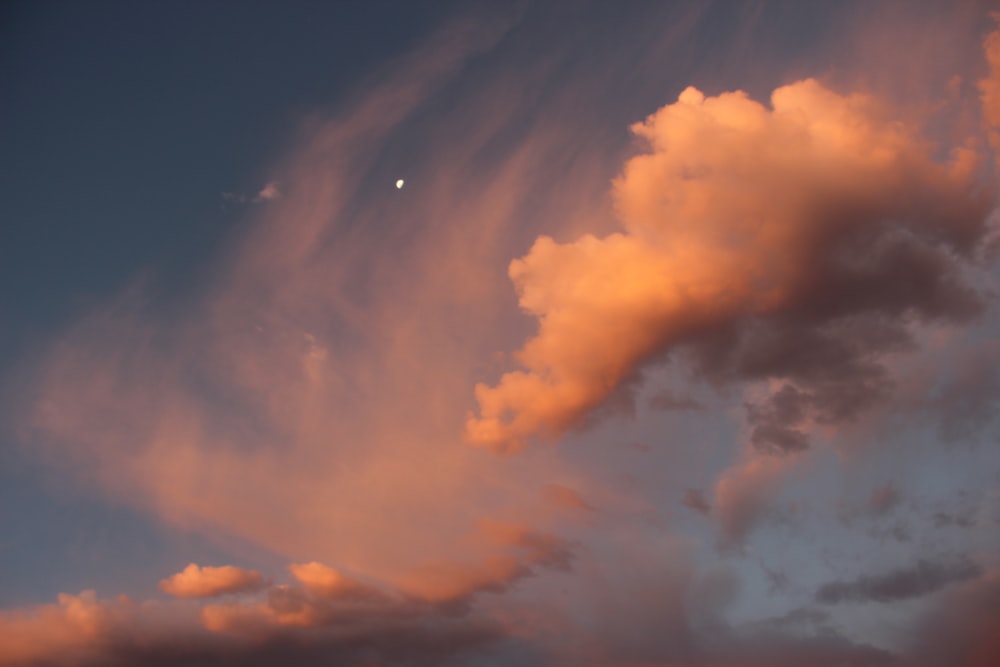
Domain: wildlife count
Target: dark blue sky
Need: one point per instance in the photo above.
(121, 125)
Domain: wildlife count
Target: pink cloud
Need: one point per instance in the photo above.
(267, 193)
(206, 582)
(785, 241)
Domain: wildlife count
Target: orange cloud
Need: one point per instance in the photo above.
(745, 228)
(206, 582)
(745, 491)
(67, 628)
(325, 581)
(989, 86)
(309, 399)
(291, 625)
(565, 498)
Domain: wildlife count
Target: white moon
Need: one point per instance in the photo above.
(399, 184)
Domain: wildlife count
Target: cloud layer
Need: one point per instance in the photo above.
(787, 268)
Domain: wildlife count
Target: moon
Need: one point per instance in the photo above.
(399, 184)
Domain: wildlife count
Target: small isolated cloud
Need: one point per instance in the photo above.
(267, 193)
(205, 582)
(901, 584)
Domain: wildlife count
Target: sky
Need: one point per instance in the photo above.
(678, 346)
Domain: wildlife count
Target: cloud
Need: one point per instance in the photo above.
(73, 626)
(206, 582)
(310, 400)
(775, 422)
(883, 499)
(989, 86)
(291, 400)
(325, 581)
(293, 625)
(565, 498)
(796, 241)
(962, 629)
(513, 552)
(668, 400)
(267, 193)
(696, 500)
(744, 493)
(920, 579)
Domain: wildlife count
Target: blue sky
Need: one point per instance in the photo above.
(677, 347)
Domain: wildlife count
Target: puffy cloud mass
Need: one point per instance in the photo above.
(205, 582)
(302, 625)
(792, 241)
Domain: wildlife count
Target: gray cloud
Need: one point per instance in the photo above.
(696, 500)
(904, 583)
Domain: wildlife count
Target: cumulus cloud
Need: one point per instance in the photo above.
(920, 579)
(323, 616)
(793, 241)
(206, 582)
(311, 402)
(291, 625)
(72, 627)
(325, 581)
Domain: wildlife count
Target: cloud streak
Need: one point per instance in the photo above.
(920, 579)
